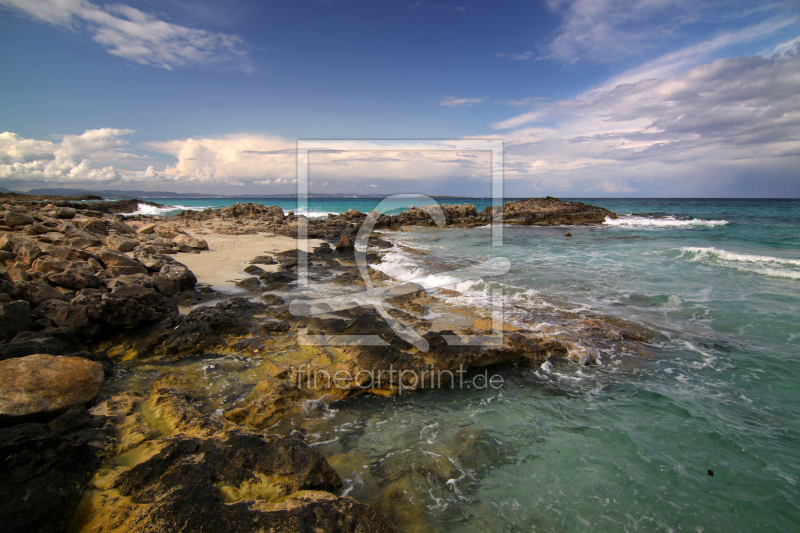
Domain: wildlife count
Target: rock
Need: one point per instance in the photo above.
(40, 386)
(46, 468)
(27, 251)
(254, 270)
(110, 258)
(272, 299)
(14, 318)
(121, 244)
(119, 227)
(73, 278)
(29, 343)
(119, 264)
(191, 242)
(48, 264)
(250, 284)
(36, 292)
(63, 314)
(345, 245)
(128, 305)
(12, 219)
(568, 234)
(147, 229)
(131, 279)
(263, 260)
(150, 257)
(64, 212)
(179, 274)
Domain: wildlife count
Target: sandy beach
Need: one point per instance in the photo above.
(221, 266)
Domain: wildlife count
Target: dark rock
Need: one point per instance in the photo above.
(250, 284)
(263, 260)
(72, 278)
(253, 270)
(128, 305)
(46, 468)
(33, 343)
(14, 318)
(36, 292)
(272, 299)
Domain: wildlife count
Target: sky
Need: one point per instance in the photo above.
(591, 98)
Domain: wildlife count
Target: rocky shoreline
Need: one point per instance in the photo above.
(87, 293)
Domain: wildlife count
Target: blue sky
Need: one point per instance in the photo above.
(591, 97)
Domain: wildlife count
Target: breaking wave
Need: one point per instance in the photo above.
(661, 222)
(778, 267)
(152, 210)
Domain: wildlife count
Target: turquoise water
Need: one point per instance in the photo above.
(626, 446)
(319, 207)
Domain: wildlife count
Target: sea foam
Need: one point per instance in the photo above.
(778, 267)
(152, 210)
(661, 222)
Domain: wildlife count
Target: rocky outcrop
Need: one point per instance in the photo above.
(41, 386)
(176, 469)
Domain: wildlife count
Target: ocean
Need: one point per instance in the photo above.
(630, 445)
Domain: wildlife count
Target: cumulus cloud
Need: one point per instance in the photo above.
(132, 34)
(453, 102)
(74, 159)
(723, 118)
(240, 157)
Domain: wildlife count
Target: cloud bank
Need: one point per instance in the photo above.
(697, 131)
(137, 36)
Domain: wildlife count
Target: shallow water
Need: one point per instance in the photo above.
(619, 447)
(615, 448)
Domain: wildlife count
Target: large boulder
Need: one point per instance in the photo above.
(41, 386)
(191, 242)
(173, 278)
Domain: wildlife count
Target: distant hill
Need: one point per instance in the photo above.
(3, 189)
(119, 194)
(115, 193)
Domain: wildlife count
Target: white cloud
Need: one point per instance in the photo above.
(453, 102)
(607, 30)
(524, 56)
(698, 128)
(233, 157)
(74, 159)
(132, 34)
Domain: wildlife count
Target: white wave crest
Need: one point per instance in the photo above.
(152, 210)
(400, 267)
(661, 222)
(311, 214)
(778, 267)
